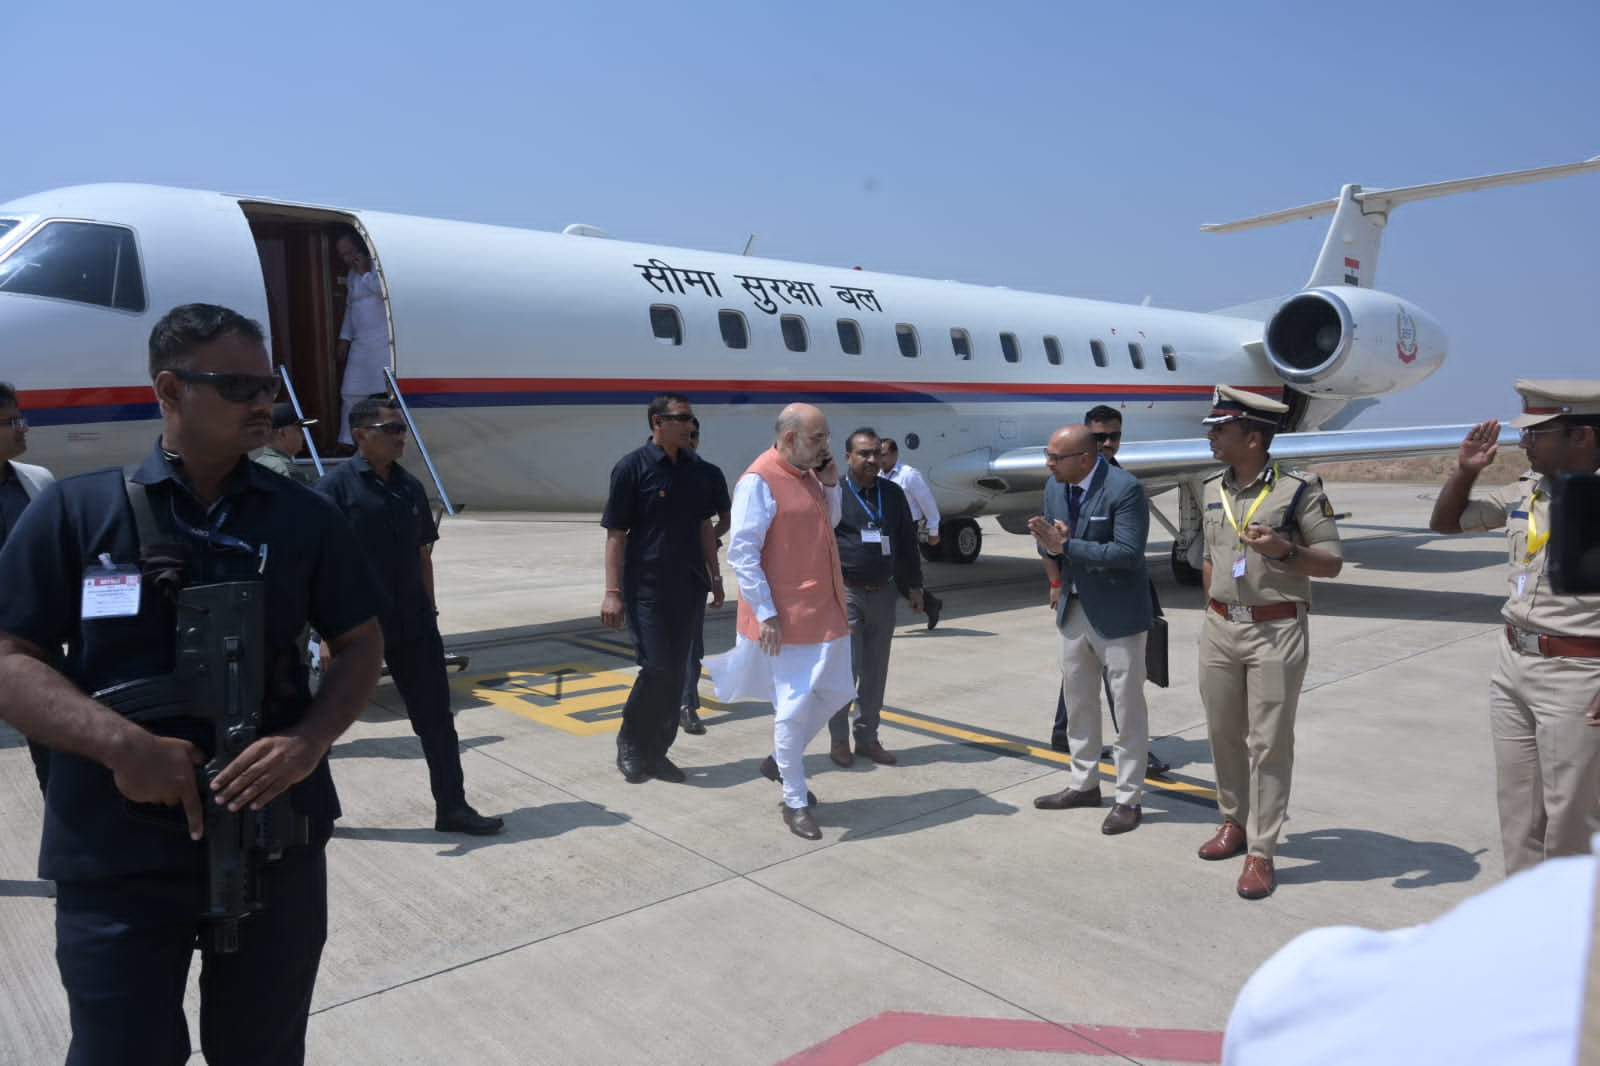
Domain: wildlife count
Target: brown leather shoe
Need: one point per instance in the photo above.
(839, 752)
(1228, 842)
(1124, 818)
(876, 752)
(1069, 797)
(1258, 880)
(800, 822)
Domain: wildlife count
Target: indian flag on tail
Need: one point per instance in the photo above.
(1352, 271)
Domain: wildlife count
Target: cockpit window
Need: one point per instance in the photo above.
(7, 224)
(86, 262)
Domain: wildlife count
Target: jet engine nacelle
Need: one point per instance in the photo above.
(1351, 343)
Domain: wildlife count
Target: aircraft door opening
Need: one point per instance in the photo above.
(306, 284)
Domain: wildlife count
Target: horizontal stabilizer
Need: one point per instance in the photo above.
(1379, 201)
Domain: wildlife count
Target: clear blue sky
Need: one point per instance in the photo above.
(1062, 147)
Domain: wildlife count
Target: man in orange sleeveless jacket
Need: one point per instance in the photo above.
(793, 646)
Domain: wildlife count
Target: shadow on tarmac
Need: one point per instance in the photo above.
(1366, 855)
(1342, 599)
(522, 824)
(18, 889)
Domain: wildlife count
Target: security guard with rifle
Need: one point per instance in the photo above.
(189, 797)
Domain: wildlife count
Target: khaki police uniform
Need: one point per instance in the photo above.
(1547, 759)
(1254, 641)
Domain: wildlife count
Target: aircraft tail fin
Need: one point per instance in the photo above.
(1350, 250)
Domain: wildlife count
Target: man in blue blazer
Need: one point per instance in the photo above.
(1093, 528)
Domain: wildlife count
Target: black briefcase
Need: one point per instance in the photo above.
(1155, 645)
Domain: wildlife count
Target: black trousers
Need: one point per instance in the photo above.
(416, 663)
(41, 763)
(697, 654)
(662, 637)
(123, 946)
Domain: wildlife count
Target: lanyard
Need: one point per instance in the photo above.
(212, 534)
(1227, 509)
(1536, 540)
(874, 519)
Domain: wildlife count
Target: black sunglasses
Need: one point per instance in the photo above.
(1103, 437)
(679, 417)
(394, 428)
(235, 388)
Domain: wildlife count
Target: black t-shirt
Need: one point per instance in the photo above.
(660, 505)
(262, 528)
(392, 521)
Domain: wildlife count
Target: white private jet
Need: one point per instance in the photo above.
(526, 359)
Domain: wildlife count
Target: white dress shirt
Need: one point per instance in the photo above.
(915, 486)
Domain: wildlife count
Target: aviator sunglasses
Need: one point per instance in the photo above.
(235, 388)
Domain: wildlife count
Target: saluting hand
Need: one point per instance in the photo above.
(265, 770)
(161, 770)
(1480, 446)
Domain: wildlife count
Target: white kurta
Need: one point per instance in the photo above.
(805, 683)
(366, 327)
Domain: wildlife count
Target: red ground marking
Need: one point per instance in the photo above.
(875, 1036)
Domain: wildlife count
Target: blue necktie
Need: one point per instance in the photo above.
(1074, 501)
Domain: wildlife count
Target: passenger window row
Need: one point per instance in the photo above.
(666, 325)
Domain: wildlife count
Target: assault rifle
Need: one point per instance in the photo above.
(219, 681)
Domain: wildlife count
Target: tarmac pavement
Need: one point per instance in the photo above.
(941, 919)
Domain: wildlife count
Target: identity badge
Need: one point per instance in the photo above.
(110, 590)
(1238, 567)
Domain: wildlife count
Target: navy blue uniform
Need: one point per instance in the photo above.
(13, 501)
(130, 890)
(660, 504)
(716, 485)
(393, 522)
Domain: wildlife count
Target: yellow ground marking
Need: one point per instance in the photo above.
(1033, 751)
(584, 699)
(577, 697)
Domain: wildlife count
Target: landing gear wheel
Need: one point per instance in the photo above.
(1181, 570)
(961, 540)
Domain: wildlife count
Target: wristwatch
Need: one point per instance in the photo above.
(1288, 556)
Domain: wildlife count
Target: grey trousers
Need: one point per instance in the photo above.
(871, 615)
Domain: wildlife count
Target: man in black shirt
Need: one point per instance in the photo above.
(389, 512)
(722, 507)
(131, 889)
(661, 557)
(877, 539)
(19, 484)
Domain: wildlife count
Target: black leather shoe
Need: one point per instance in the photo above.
(689, 718)
(1060, 744)
(800, 822)
(667, 770)
(632, 767)
(1156, 766)
(769, 770)
(466, 820)
(934, 606)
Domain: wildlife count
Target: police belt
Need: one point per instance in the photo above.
(1550, 646)
(863, 586)
(1243, 612)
